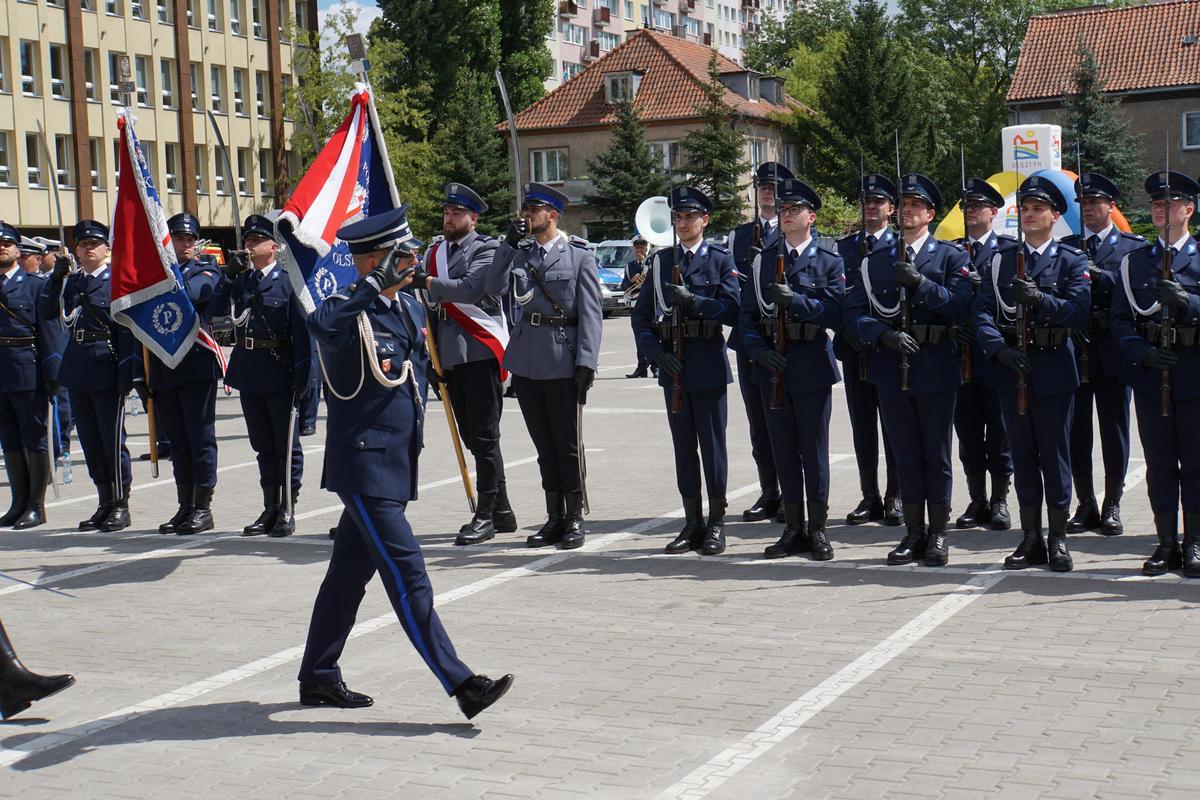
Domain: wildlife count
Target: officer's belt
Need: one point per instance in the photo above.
(16, 341)
(490, 308)
(796, 331)
(692, 329)
(252, 343)
(929, 334)
(1181, 335)
(1040, 337)
(81, 336)
(538, 319)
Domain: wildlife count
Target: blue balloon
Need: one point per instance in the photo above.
(1066, 185)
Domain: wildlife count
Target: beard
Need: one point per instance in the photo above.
(452, 231)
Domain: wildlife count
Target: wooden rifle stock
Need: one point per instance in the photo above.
(1022, 331)
(778, 390)
(964, 357)
(1168, 327)
(677, 340)
(863, 252)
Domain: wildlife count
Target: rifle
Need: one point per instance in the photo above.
(778, 390)
(677, 315)
(964, 358)
(1084, 357)
(905, 304)
(1168, 328)
(863, 248)
(1022, 317)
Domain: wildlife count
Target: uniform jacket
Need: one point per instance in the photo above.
(980, 254)
(741, 244)
(1061, 274)
(1145, 272)
(632, 270)
(274, 312)
(819, 282)
(547, 352)
(1103, 353)
(375, 436)
(850, 249)
(91, 366)
(943, 298)
(711, 278)
(25, 367)
(464, 280)
(202, 281)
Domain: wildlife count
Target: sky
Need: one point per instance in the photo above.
(368, 12)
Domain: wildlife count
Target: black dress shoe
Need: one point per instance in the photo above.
(893, 512)
(332, 694)
(1087, 516)
(308, 430)
(637, 373)
(479, 691)
(1110, 519)
(869, 510)
(765, 507)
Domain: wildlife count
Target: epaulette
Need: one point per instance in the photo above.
(482, 237)
(1070, 249)
(1132, 236)
(718, 246)
(829, 251)
(578, 241)
(1004, 237)
(951, 243)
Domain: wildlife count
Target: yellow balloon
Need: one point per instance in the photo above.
(952, 226)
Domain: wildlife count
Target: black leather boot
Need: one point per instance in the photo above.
(118, 512)
(937, 550)
(1168, 555)
(200, 519)
(1056, 541)
(1087, 515)
(1031, 552)
(1110, 512)
(1001, 520)
(16, 464)
(818, 543)
(893, 511)
(794, 539)
(979, 511)
(1191, 544)
(573, 532)
(714, 532)
(504, 519)
(285, 520)
(272, 498)
(692, 535)
(869, 509)
(767, 504)
(18, 686)
(184, 494)
(551, 532)
(480, 528)
(39, 479)
(913, 545)
(105, 493)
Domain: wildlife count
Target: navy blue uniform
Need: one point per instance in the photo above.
(374, 436)
(632, 270)
(31, 346)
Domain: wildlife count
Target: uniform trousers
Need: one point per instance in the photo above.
(1111, 399)
(799, 436)
(23, 420)
(921, 427)
(756, 416)
(701, 424)
(862, 401)
(267, 417)
(96, 421)
(373, 535)
(477, 398)
(1172, 449)
(1041, 449)
(311, 402)
(549, 409)
(982, 440)
(188, 416)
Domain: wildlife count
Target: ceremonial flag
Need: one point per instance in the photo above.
(350, 178)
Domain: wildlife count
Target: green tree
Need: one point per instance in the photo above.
(627, 172)
(770, 49)
(525, 61)
(1094, 125)
(714, 154)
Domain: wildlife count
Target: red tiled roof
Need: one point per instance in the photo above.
(1137, 48)
(675, 71)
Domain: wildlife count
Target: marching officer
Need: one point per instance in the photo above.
(374, 436)
(1036, 378)
(1100, 381)
(553, 351)
(634, 269)
(745, 242)
(932, 277)
(471, 333)
(983, 445)
(185, 398)
(877, 196)
(98, 369)
(31, 346)
(1164, 371)
(270, 367)
(806, 302)
(706, 299)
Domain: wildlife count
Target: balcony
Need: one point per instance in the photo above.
(567, 8)
(708, 39)
(601, 16)
(751, 5)
(591, 51)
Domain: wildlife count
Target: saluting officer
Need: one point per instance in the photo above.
(471, 334)
(185, 398)
(270, 367)
(1168, 418)
(1054, 298)
(745, 242)
(374, 436)
(1105, 247)
(31, 346)
(98, 369)
(634, 269)
(877, 196)
(982, 441)
(810, 300)
(706, 300)
(553, 350)
(919, 417)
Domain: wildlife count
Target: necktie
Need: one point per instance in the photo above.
(794, 253)
(453, 250)
(255, 279)
(912, 255)
(872, 241)
(687, 259)
(766, 230)
(536, 257)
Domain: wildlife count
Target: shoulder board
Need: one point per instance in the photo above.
(954, 245)
(1064, 247)
(578, 241)
(829, 251)
(482, 237)
(718, 247)
(1006, 243)
(1133, 237)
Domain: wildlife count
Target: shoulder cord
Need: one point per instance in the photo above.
(1144, 312)
(367, 336)
(883, 310)
(764, 309)
(524, 299)
(1008, 312)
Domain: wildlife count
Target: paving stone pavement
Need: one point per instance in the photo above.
(637, 675)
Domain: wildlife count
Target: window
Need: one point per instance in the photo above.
(789, 158)
(63, 158)
(243, 170)
(135, 8)
(163, 9)
(548, 166)
(607, 40)
(664, 19)
(114, 78)
(216, 80)
(116, 161)
(573, 34)
(256, 17)
(260, 94)
(89, 74)
(1191, 130)
(214, 15)
(171, 162)
(96, 154)
(33, 160)
(30, 79)
(264, 172)
(666, 153)
(693, 26)
(220, 177)
(113, 7)
(629, 8)
(620, 86)
(301, 15)
(54, 3)
(142, 80)
(191, 13)
(281, 17)
(239, 91)
(201, 169)
(752, 91)
(286, 86)
(235, 17)
(59, 80)
(758, 153)
(4, 64)
(166, 82)
(196, 91)
(88, 5)
(5, 174)
(570, 70)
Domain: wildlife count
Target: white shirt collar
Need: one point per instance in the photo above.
(919, 243)
(770, 223)
(692, 250)
(987, 237)
(1042, 249)
(13, 271)
(265, 271)
(1088, 233)
(878, 234)
(99, 273)
(1178, 243)
(800, 248)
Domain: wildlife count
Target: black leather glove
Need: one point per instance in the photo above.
(50, 387)
(420, 277)
(138, 385)
(583, 381)
(679, 296)
(781, 295)
(235, 264)
(1158, 358)
(1171, 294)
(851, 338)
(1026, 293)
(433, 378)
(1095, 271)
(1014, 359)
(396, 267)
(299, 390)
(62, 268)
(907, 275)
(668, 363)
(899, 341)
(518, 229)
(963, 335)
(772, 360)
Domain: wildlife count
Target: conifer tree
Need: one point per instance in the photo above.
(627, 172)
(1092, 121)
(714, 155)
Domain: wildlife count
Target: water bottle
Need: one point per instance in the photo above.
(66, 465)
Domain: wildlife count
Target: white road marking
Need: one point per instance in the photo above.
(1135, 476)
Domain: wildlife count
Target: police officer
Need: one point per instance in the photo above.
(877, 196)
(1143, 305)
(932, 277)
(31, 252)
(185, 398)
(695, 309)
(1036, 379)
(471, 334)
(635, 268)
(982, 441)
(51, 248)
(374, 437)
(270, 367)
(31, 346)
(98, 369)
(745, 242)
(809, 298)
(1105, 247)
(553, 351)
(18, 686)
